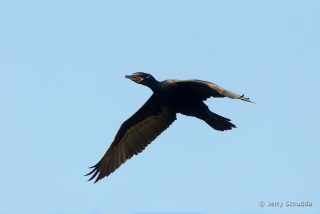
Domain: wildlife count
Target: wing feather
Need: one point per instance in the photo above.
(134, 135)
(206, 89)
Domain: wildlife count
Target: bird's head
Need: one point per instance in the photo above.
(141, 78)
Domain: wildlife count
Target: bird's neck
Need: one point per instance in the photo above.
(155, 87)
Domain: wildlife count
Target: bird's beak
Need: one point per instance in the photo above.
(134, 79)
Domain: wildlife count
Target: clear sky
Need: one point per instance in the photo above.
(63, 96)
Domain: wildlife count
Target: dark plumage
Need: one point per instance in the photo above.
(158, 113)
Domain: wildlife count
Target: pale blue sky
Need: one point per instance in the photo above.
(63, 96)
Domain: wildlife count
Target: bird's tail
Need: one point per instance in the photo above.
(218, 122)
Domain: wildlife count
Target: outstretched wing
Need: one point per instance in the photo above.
(134, 135)
(206, 89)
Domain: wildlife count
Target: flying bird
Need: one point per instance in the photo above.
(158, 113)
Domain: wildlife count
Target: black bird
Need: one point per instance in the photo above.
(158, 113)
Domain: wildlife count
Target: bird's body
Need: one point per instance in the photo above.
(184, 102)
(157, 114)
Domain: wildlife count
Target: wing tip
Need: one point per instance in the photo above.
(95, 172)
(246, 99)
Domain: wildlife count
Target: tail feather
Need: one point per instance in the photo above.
(218, 122)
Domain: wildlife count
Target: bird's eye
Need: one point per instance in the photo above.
(147, 76)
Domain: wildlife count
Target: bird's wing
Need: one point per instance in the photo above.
(134, 135)
(206, 89)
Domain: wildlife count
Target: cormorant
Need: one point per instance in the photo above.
(158, 113)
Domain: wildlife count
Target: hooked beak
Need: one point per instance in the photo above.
(134, 79)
